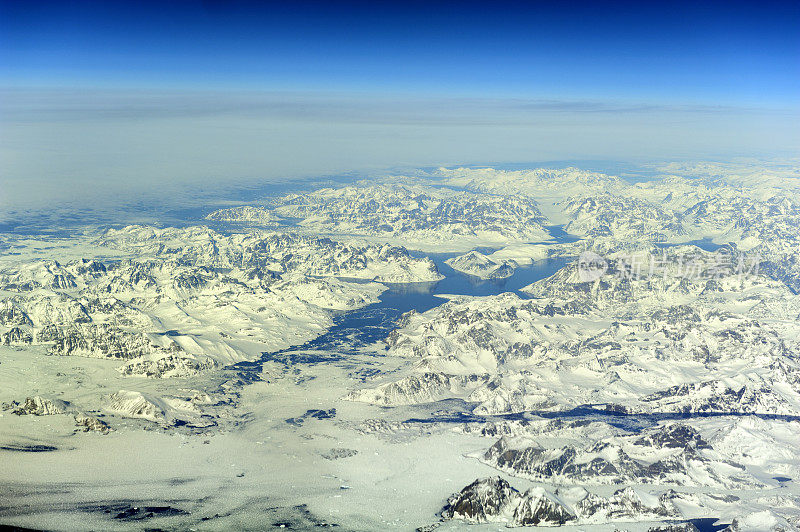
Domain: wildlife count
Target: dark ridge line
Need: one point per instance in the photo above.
(592, 411)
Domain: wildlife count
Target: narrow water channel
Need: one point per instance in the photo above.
(354, 330)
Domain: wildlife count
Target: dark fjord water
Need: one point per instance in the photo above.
(357, 329)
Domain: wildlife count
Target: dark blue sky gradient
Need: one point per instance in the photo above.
(721, 53)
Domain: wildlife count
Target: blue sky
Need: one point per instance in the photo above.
(94, 95)
(725, 52)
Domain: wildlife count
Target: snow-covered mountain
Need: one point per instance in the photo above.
(186, 300)
(420, 216)
(675, 340)
(479, 265)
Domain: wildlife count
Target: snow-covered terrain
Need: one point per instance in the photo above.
(181, 301)
(291, 364)
(418, 216)
(479, 265)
